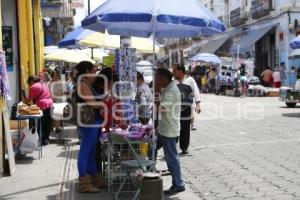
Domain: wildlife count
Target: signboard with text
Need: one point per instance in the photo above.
(77, 4)
(108, 60)
(8, 46)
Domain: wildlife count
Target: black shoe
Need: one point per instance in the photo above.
(45, 142)
(174, 190)
(184, 152)
(193, 129)
(58, 130)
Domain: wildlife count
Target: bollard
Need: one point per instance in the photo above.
(152, 187)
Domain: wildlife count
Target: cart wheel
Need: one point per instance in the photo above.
(291, 105)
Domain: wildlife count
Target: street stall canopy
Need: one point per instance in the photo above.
(144, 63)
(295, 54)
(67, 55)
(98, 54)
(162, 19)
(50, 49)
(85, 37)
(210, 45)
(295, 43)
(96, 39)
(248, 38)
(72, 39)
(206, 57)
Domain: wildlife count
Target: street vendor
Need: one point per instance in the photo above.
(40, 95)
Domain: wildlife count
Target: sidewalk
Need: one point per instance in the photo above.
(54, 177)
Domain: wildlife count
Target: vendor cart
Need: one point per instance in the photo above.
(290, 96)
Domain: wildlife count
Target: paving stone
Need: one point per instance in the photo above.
(253, 163)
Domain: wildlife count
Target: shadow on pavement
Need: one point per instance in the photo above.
(73, 152)
(8, 196)
(291, 115)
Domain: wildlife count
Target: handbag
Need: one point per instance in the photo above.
(71, 115)
(87, 115)
(13, 112)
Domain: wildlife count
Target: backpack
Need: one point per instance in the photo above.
(186, 96)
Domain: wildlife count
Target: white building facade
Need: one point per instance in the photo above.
(259, 29)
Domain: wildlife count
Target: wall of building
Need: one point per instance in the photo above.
(10, 19)
(283, 3)
(234, 4)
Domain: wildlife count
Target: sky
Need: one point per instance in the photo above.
(82, 13)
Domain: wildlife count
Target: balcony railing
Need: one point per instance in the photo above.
(260, 8)
(52, 2)
(236, 17)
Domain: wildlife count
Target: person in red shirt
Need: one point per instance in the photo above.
(39, 94)
(113, 115)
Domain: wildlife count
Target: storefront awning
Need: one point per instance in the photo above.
(210, 45)
(247, 39)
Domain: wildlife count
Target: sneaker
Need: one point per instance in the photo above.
(174, 190)
(184, 152)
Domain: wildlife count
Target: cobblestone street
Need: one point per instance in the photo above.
(245, 148)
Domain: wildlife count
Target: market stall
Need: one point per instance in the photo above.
(157, 18)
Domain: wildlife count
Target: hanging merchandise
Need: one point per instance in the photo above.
(4, 84)
(125, 60)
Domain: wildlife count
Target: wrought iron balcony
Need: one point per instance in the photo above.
(52, 2)
(260, 8)
(236, 17)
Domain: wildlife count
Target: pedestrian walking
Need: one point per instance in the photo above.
(57, 94)
(188, 88)
(169, 126)
(243, 79)
(282, 70)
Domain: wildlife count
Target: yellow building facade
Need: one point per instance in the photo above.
(28, 39)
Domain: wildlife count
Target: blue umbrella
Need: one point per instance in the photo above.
(73, 38)
(295, 43)
(160, 18)
(206, 57)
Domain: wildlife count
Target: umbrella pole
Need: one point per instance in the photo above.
(154, 109)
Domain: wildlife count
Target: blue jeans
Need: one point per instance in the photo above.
(87, 154)
(172, 158)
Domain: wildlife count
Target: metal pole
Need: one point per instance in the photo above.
(154, 109)
(89, 12)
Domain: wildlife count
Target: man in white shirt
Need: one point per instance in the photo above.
(144, 99)
(187, 116)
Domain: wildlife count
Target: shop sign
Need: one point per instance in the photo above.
(77, 4)
(108, 60)
(281, 36)
(7, 42)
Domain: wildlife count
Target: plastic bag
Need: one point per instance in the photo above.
(29, 141)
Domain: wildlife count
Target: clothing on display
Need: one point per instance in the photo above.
(4, 84)
(126, 70)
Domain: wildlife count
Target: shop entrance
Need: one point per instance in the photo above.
(265, 52)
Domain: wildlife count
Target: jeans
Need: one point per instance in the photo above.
(172, 159)
(87, 164)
